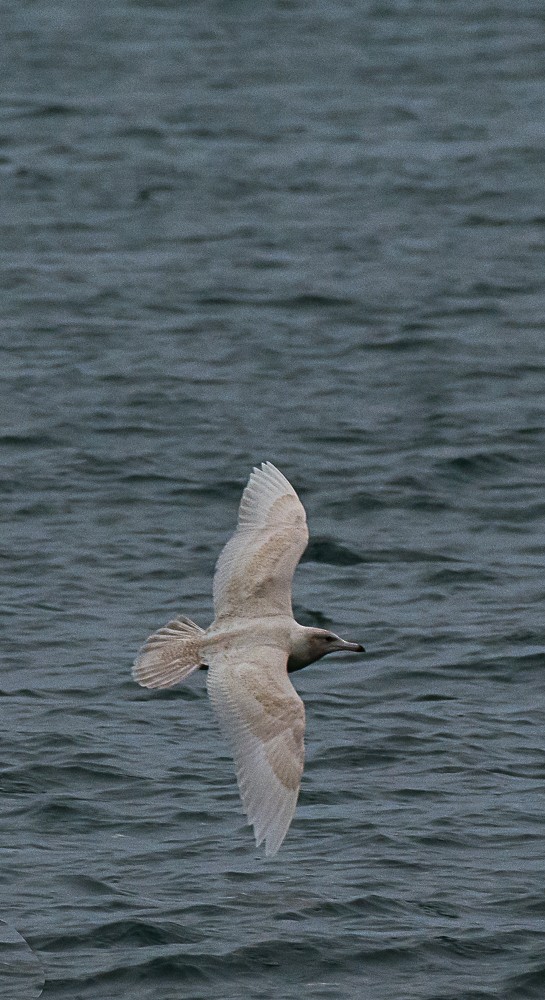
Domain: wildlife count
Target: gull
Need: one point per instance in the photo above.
(249, 649)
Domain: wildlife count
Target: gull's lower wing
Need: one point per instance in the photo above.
(263, 720)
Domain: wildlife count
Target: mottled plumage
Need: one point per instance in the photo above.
(247, 649)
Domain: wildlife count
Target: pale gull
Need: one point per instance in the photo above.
(249, 649)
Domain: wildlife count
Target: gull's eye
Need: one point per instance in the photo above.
(329, 638)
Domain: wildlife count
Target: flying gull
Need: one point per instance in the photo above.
(249, 649)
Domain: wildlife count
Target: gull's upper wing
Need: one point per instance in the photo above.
(254, 572)
(263, 719)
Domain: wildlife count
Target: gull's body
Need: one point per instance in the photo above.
(249, 649)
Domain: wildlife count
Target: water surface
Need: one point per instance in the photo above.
(310, 233)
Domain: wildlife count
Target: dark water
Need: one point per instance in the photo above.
(312, 233)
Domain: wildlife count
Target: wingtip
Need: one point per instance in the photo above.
(272, 476)
(265, 467)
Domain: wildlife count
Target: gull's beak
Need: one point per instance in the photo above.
(349, 647)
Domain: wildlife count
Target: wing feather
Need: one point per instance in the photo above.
(255, 569)
(263, 720)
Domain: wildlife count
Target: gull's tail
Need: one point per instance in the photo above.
(169, 655)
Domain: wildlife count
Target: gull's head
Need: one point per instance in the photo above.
(313, 643)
